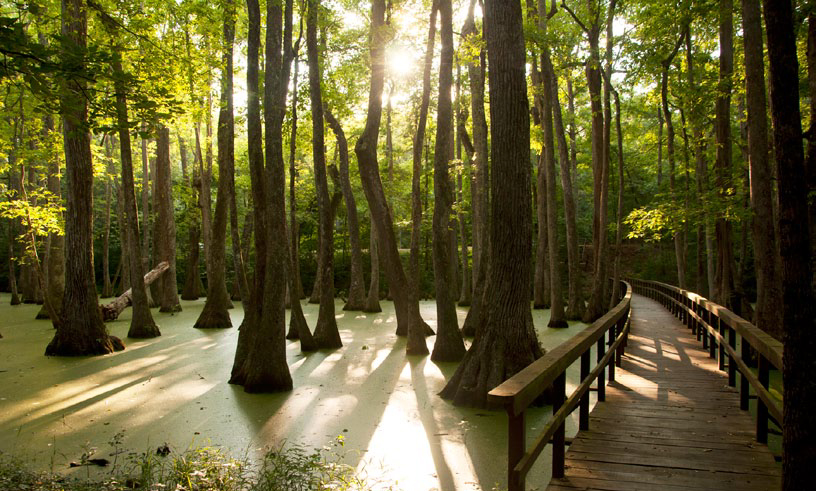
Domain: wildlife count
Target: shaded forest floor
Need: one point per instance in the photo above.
(173, 390)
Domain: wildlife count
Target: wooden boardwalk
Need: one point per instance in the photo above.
(670, 421)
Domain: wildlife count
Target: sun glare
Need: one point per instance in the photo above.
(400, 60)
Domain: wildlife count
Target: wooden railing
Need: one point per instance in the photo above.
(518, 392)
(718, 328)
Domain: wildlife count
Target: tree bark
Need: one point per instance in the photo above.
(215, 314)
(372, 303)
(238, 256)
(575, 301)
(142, 324)
(549, 99)
(810, 155)
(146, 213)
(326, 334)
(192, 279)
(619, 225)
(542, 296)
(107, 288)
(572, 132)
(600, 175)
(80, 330)
(507, 342)
(166, 221)
(416, 153)
(449, 345)
(55, 259)
(679, 233)
(481, 181)
(769, 287)
(294, 229)
(406, 302)
(356, 294)
(659, 146)
(704, 258)
(724, 277)
(260, 358)
(799, 427)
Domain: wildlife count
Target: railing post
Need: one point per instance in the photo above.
(732, 366)
(559, 388)
(712, 343)
(762, 410)
(721, 354)
(600, 349)
(583, 413)
(702, 334)
(515, 450)
(613, 334)
(619, 351)
(745, 353)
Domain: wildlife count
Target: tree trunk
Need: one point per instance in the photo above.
(548, 100)
(810, 156)
(541, 281)
(619, 225)
(215, 314)
(81, 330)
(356, 294)
(575, 301)
(238, 256)
(146, 214)
(449, 345)
(406, 303)
(659, 147)
(142, 324)
(417, 146)
(107, 288)
(466, 292)
(294, 229)
(166, 223)
(572, 134)
(260, 358)
(192, 279)
(334, 207)
(507, 342)
(799, 427)
(679, 234)
(701, 168)
(326, 334)
(15, 295)
(600, 176)
(481, 182)
(724, 278)
(55, 267)
(373, 299)
(769, 287)
(112, 310)
(124, 261)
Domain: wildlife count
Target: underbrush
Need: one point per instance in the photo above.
(286, 468)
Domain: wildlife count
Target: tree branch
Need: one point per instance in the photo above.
(574, 17)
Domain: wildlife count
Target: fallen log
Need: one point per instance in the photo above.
(111, 311)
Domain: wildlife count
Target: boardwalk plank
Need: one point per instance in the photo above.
(670, 421)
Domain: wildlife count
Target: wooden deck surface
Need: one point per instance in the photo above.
(670, 421)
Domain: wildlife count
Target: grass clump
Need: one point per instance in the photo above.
(286, 468)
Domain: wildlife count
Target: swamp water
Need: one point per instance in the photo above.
(173, 389)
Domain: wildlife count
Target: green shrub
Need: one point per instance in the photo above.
(288, 467)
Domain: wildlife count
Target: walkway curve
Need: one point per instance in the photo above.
(670, 421)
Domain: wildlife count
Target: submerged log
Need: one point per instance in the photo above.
(111, 311)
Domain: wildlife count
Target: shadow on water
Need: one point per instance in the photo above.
(174, 389)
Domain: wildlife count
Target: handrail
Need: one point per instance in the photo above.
(721, 327)
(517, 393)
